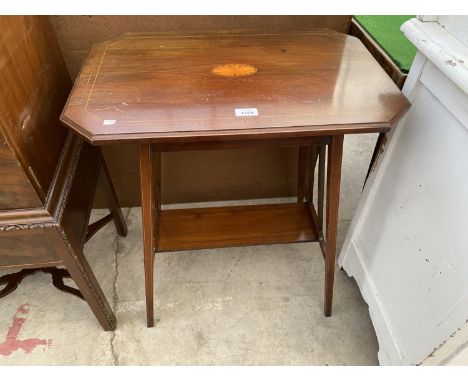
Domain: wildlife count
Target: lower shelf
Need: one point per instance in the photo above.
(215, 227)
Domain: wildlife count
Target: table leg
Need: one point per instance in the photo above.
(321, 185)
(335, 153)
(314, 150)
(114, 206)
(147, 210)
(303, 166)
(381, 140)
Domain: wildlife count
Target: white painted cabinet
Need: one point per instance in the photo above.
(407, 246)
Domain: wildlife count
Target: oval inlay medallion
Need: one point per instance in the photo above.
(234, 70)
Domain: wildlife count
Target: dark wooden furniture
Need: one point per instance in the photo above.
(382, 57)
(220, 91)
(48, 176)
(387, 64)
(213, 175)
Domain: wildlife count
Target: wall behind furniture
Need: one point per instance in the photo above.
(193, 176)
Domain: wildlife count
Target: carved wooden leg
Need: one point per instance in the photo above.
(303, 165)
(57, 281)
(12, 280)
(79, 269)
(147, 210)
(114, 205)
(335, 153)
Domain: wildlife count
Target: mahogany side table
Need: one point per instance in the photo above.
(168, 92)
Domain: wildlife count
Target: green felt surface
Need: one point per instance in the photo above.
(385, 30)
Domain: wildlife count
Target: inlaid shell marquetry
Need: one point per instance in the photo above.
(234, 70)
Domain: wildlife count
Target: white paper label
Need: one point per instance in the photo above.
(252, 112)
(108, 122)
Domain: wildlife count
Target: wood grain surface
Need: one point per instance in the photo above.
(215, 227)
(161, 88)
(271, 170)
(77, 34)
(34, 87)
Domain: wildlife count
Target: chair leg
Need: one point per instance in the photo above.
(114, 205)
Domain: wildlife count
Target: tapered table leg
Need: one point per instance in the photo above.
(314, 150)
(147, 209)
(381, 140)
(321, 185)
(114, 205)
(335, 153)
(303, 166)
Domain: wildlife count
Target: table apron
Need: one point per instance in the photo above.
(226, 145)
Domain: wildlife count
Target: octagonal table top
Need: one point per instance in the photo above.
(199, 87)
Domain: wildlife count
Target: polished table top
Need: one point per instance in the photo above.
(170, 88)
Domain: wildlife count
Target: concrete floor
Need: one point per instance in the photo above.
(260, 305)
(453, 352)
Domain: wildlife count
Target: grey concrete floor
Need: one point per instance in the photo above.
(258, 305)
